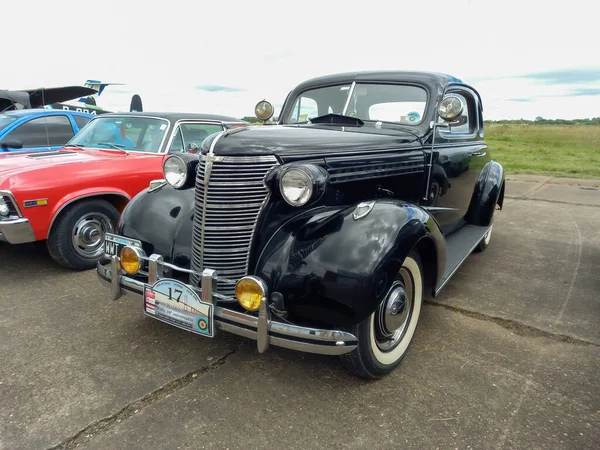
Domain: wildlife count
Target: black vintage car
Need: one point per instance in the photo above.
(322, 232)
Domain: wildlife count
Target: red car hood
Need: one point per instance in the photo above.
(21, 164)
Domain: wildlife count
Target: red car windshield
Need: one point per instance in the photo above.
(140, 134)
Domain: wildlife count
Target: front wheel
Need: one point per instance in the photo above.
(384, 336)
(77, 237)
(485, 241)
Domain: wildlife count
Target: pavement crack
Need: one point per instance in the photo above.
(558, 202)
(514, 326)
(107, 423)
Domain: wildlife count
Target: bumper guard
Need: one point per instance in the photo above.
(263, 329)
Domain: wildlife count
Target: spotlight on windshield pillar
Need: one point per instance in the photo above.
(263, 110)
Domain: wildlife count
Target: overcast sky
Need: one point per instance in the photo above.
(527, 58)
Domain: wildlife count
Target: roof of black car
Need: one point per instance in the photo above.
(430, 78)
(174, 116)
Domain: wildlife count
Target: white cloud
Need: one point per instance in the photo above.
(161, 50)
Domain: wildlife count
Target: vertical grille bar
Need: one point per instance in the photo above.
(226, 213)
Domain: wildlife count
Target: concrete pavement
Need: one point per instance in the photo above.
(507, 356)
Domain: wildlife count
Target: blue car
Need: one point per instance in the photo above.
(31, 130)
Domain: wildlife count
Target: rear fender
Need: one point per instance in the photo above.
(334, 269)
(488, 192)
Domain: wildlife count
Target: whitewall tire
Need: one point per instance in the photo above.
(384, 337)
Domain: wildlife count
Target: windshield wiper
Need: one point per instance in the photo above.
(111, 145)
(75, 145)
(338, 119)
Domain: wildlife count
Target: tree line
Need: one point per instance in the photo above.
(541, 121)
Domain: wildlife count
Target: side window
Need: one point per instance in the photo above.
(81, 121)
(466, 121)
(44, 131)
(190, 136)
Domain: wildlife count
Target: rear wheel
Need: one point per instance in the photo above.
(77, 237)
(384, 336)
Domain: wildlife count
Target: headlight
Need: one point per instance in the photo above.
(296, 186)
(4, 209)
(249, 291)
(131, 259)
(175, 171)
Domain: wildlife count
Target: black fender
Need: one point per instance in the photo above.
(163, 221)
(488, 192)
(333, 269)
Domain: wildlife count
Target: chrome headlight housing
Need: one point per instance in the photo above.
(175, 171)
(296, 186)
(300, 184)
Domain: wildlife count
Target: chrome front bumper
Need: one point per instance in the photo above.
(262, 329)
(16, 231)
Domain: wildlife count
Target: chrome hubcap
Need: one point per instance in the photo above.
(88, 234)
(394, 314)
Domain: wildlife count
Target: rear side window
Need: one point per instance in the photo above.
(81, 121)
(43, 132)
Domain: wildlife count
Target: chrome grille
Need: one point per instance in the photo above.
(226, 214)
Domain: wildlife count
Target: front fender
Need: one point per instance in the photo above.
(163, 221)
(81, 194)
(335, 270)
(486, 194)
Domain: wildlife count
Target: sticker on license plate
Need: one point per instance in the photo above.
(177, 304)
(114, 243)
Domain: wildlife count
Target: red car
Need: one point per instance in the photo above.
(73, 196)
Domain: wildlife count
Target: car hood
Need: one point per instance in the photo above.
(293, 141)
(22, 165)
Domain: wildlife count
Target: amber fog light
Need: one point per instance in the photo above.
(131, 259)
(249, 291)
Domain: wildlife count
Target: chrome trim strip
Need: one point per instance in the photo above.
(352, 86)
(294, 337)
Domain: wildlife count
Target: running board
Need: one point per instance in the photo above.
(459, 245)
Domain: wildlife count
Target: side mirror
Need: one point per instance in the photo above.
(263, 110)
(450, 108)
(11, 144)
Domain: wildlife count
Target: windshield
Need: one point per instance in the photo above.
(140, 134)
(6, 120)
(367, 101)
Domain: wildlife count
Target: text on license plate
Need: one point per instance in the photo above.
(114, 243)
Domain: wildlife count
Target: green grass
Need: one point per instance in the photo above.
(556, 150)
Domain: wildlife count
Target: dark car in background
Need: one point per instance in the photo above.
(33, 130)
(321, 233)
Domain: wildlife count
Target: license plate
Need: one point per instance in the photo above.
(114, 243)
(175, 303)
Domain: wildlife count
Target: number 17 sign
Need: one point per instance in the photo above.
(177, 304)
